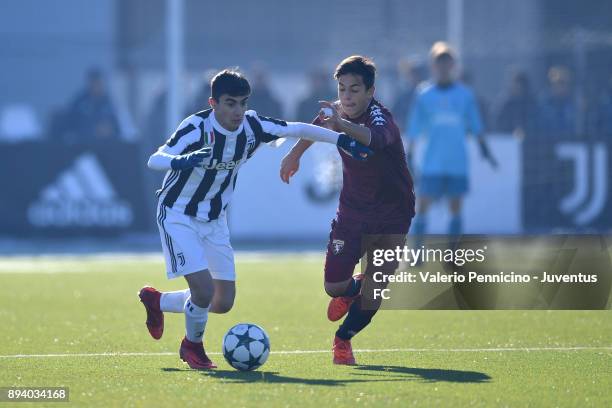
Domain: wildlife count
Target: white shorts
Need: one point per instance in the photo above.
(191, 245)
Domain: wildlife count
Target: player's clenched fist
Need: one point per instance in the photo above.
(190, 160)
(329, 115)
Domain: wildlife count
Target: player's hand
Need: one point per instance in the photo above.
(289, 166)
(329, 116)
(486, 153)
(353, 147)
(191, 160)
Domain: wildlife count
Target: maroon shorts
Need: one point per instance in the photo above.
(344, 249)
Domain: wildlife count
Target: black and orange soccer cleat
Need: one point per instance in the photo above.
(150, 297)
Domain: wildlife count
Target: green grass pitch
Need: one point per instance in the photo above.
(83, 317)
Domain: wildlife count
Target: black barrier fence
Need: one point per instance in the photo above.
(53, 190)
(565, 183)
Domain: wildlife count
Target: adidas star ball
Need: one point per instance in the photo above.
(246, 346)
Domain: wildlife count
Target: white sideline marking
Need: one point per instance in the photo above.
(54, 264)
(286, 352)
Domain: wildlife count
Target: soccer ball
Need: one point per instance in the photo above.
(246, 346)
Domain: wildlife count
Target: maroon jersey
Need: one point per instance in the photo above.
(379, 188)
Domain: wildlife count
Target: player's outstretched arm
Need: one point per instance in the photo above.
(350, 145)
(315, 133)
(273, 129)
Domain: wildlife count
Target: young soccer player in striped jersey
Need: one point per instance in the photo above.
(202, 159)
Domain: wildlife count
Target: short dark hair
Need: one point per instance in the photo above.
(229, 82)
(358, 65)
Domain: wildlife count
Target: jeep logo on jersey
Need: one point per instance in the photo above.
(228, 165)
(81, 196)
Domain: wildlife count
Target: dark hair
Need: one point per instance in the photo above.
(358, 65)
(229, 82)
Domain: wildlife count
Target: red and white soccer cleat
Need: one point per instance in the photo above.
(339, 306)
(195, 356)
(155, 317)
(343, 352)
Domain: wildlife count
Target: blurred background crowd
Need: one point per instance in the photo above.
(543, 64)
(553, 102)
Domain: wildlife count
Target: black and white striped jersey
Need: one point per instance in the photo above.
(204, 192)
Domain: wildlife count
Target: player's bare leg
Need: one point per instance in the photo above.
(223, 298)
(196, 315)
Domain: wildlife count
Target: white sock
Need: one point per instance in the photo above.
(174, 302)
(195, 321)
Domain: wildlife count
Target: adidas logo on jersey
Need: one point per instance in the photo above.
(228, 165)
(82, 196)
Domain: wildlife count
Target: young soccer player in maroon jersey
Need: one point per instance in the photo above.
(377, 196)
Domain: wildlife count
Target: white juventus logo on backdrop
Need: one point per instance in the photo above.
(81, 196)
(577, 204)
